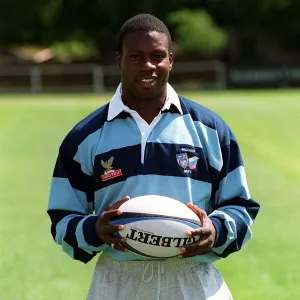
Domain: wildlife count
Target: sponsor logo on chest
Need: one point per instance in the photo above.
(109, 172)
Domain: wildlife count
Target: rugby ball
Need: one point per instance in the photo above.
(156, 226)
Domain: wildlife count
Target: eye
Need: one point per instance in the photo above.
(134, 56)
(159, 56)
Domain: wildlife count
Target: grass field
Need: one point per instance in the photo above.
(267, 126)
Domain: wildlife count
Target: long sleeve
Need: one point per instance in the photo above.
(70, 204)
(234, 210)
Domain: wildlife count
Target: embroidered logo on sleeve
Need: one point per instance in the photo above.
(109, 172)
(187, 161)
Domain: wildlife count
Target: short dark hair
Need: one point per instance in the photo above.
(142, 22)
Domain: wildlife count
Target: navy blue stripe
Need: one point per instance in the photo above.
(66, 167)
(241, 229)
(160, 159)
(89, 233)
(127, 159)
(83, 256)
(208, 118)
(57, 215)
(221, 231)
(122, 115)
(173, 110)
(200, 113)
(231, 159)
(70, 236)
(93, 122)
(251, 206)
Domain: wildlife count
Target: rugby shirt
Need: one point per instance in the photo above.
(190, 155)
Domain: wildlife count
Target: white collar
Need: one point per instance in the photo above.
(116, 105)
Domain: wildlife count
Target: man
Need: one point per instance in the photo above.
(138, 144)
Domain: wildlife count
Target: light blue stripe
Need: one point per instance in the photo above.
(86, 152)
(82, 242)
(248, 236)
(61, 228)
(183, 189)
(175, 129)
(118, 134)
(64, 197)
(233, 185)
(242, 212)
(231, 224)
(231, 230)
(211, 145)
(68, 249)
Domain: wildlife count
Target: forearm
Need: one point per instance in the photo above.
(75, 233)
(233, 220)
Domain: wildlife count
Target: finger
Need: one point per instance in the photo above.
(202, 231)
(108, 229)
(117, 204)
(199, 212)
(115, 240)
(120, 247)
(193, 253)
(194, 208)
(205, 244)
(108, 215)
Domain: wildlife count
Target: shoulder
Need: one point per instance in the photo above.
(207, 118)
(90, 124)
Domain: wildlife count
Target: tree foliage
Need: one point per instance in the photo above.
(195, 31)
(97, 22)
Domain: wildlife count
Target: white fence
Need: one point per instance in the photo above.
(97, 79)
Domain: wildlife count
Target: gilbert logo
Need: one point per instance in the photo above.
(109, 173)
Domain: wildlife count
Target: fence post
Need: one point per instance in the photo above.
(98, 80)
(35, 79)
(221, 75)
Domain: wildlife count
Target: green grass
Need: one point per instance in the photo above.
(267, 126)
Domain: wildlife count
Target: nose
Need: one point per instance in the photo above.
(148, 65)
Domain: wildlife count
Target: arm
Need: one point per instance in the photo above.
(234, 210)
(227, 228)
(71, 205)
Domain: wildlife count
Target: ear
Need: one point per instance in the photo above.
(118, 59)
(171, 60)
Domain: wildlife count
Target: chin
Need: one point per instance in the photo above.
(149, 96)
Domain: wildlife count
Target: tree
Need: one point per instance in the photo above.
(196, 32)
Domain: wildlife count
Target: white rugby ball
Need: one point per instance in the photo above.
(156, 226)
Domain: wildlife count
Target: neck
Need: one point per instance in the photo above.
(148, 109)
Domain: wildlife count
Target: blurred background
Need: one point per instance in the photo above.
(239, 58)
(64, 45)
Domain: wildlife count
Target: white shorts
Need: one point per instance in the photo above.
(174, 279)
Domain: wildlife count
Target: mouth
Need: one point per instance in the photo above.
(147, 82)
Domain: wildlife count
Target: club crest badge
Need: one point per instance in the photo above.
(182, 160)
(109, 172)
(187, 161)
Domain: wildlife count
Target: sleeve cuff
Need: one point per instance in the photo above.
(221, 232)
(89, 232)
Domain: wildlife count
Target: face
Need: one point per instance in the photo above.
(145, 65)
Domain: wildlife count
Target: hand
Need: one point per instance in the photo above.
(105, 231)
(206, 232)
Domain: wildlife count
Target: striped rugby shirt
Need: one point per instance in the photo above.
(188, 153)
